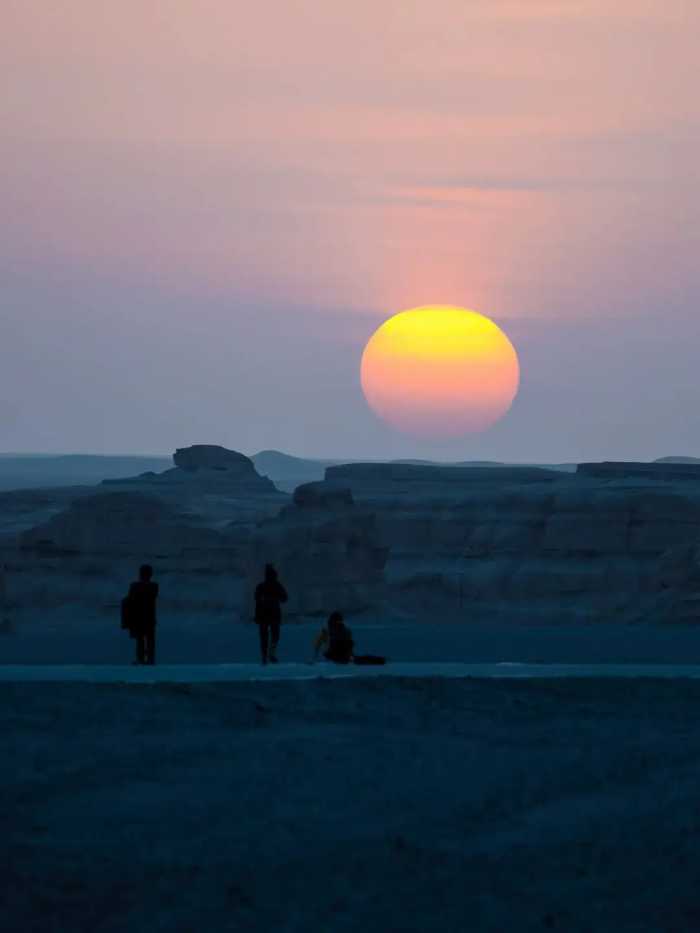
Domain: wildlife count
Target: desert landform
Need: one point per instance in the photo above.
(610, 542)
(476, 781)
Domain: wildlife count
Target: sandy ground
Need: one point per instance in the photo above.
(344, 805)
(254, 673)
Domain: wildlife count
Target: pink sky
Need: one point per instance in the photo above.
(212, 174)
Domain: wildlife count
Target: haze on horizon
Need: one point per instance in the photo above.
(208, 207)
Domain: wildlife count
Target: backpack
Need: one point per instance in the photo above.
(127, 615)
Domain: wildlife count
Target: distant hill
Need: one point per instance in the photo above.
(32, 471)
(677, 460)
(286, 463)
(559, 467)
(23, 456)
(288, 472)
(460, 463)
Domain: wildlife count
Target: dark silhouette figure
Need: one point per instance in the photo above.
(340, 644)
(269, 596)
(141, 611)
(337, 638)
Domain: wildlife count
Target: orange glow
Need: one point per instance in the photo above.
(440, 371)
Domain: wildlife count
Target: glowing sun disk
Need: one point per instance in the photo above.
(440, 371)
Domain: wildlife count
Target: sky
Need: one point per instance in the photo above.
(208, 207)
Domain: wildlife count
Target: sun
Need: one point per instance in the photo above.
(440, 372)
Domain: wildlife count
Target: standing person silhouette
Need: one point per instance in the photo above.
(269, 595)
(142, 597)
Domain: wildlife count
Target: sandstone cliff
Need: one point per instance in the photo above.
(521, 543)
(326, 550)
(221, 486)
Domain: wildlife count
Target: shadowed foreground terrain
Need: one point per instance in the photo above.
(399, 805)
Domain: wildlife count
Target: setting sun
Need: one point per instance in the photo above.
(440, 371)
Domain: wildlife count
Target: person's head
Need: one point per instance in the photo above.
(335, 618)
(145, 573)
(270, 573)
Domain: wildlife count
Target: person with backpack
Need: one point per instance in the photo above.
(269, 596)
(139, 615)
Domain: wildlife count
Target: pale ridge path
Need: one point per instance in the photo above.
(240, 673)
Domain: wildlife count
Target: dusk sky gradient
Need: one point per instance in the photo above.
(208, 206)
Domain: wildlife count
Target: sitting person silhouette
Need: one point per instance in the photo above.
(338, 638)
(340, 644)
(269, 595)
(139, 615)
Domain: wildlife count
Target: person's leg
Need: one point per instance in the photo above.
(151, 645)
(275, 631)
(264, 638)
(141, 646)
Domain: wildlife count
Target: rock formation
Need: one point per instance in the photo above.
(220, 485)
(23, 509)
(206, 465)
(213, 457)
(669, 470)
(512, 543)
(192, 521)
(681, 459)
(124, 524)
(611, 541)
(85, 556)
(326, 550)
(321, 495)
